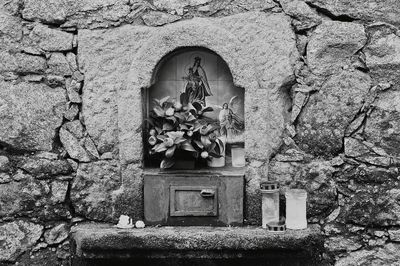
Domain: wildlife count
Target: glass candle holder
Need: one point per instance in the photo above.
(238, 156)
(296, 200)
(270, 203)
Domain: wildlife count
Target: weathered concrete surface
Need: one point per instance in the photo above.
(323, 121)
(17, 237)
(91, 190)
(103, 240)
(30, 114)
(332, 45)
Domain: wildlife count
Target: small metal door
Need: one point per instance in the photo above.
(193, 201)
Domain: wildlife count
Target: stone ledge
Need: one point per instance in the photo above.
(94, 241)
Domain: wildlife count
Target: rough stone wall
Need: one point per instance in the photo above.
(59, 157)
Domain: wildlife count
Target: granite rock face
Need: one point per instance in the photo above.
(369, 10)
(382, 125)
(29, 197)
(30, 114)
(385, 255)
(383, 54)
(22, 63)
(50, 39)
(91, 191)
(303, 16)
(332, 45)
(323, 121)
(17, 237)
(315, 176)
(57, 234)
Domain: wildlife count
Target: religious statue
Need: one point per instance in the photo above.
(197, 87)
(232, 125)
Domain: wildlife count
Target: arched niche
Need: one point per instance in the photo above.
(199, 77)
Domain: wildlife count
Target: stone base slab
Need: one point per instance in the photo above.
(94, 241)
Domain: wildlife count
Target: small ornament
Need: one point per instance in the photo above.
(124, 222)
(140, 224)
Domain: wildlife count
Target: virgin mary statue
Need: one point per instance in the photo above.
(197, 87)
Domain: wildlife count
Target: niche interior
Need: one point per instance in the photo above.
(194, 113)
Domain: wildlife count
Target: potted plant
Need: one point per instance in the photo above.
(179, 130)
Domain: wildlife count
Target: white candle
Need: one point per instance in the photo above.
(296, 209)
(270, 203)
(238, 156)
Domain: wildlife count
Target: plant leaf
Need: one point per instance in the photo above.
(160, 147)
(158, 111)
(184, 99)
(205, 141)
(187, 146)
(197, 106)
(199, 144)
(208, 109)
(172, 118)
(170, 152)
(167, 163)
(163, 100)
(179, 116)
(190, 118)
(167, 127)
(179, 140)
